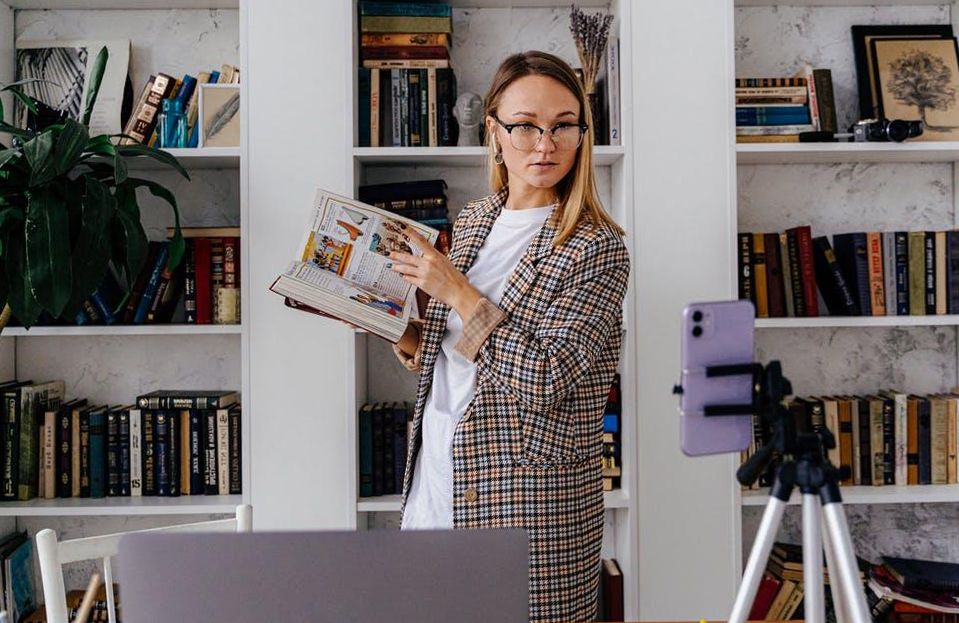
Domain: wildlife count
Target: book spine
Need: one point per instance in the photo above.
(149, 450)
(770, 82)
(861, 258)
(899, 439)
(445, 87)
(799, 301)
(746, 290)
(612, 84)
(826, 100)
(173, 453)
(856, 442)
(876, 441)
(28, 438)
(877, 296)
(382, 40)
(917, 273)
(136, 453)
(375, 107)
(189, 282)
(774, 277)
(162, 453)
(930, 275)
(865, 443)
(405, 107)
(229, 313)
(411, 9)
(216, 272)
(366, 450)
(363, 114)
(186, 453)
(124, 440)
(925, 442)
(197, 454)
(211, 486)
(204, 300)
(787, 275)
(902, 273)
(912, 441)
(113, 455)
(153, 284)
(48, 471)
(845, 439)
(11, 444)
(98, 454)
(396, 109)
(836, 292)
(424, 110)
(759, 275)
(143, 121)
(399, 446)
(404, 24)
(389, 459)
(65, 451)
(951, 441)
(808, 271)
(888, 442)
(942, 299)
(813, 98)
(952, 271)
(889, 271)
(223, 451)
(236, 451)
(938, 430)
(84, 454)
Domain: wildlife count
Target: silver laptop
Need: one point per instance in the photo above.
(420, 576)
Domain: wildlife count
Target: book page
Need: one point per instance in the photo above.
(331, 283)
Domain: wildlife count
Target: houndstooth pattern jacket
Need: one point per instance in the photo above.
(526, 452)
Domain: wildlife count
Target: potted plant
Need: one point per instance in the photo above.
(68, 211)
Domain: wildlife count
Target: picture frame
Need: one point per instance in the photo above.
(862, 37)
(219, 115)
(918, 79)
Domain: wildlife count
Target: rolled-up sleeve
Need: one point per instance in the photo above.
(412, 362)
(486, 317)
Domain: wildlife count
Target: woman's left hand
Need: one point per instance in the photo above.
(435, 274)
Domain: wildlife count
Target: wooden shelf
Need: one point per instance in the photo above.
(857, 321)
(77, 507)
(391, 503)
(117, 330)
(456, 156)
(913, 494)
(824, 153)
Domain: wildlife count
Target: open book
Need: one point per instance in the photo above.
(342, 267)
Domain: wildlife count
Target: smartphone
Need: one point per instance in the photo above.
(717, 333)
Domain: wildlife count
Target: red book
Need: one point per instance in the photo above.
(765, 595)
(403, 52)
(612, 579)
(808, 269)
(204, 291)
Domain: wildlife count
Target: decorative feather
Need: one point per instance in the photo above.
(224, 115)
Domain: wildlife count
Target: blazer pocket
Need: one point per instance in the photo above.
(548, 438)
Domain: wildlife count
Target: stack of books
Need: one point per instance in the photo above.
(406, 84)
(141, 127)
(610, 594)
(423, 201)
(886, 438)
(168, 443)
(779, 109)
(612, 455)
(385, 429)
(916, 591)
(903, 273)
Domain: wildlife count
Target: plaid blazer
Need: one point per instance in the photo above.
(526, 452)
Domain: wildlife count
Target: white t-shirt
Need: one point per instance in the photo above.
(429, 504)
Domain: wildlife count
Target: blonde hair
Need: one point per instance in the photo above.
(578, 198)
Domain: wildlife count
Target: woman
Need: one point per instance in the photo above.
(518, 347)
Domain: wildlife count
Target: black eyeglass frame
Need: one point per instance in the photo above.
(509, 130)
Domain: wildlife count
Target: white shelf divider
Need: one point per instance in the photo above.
(912, 494)
(118, 330)
(456, 156)
(857, 321)
(125, 506)
(824, 153)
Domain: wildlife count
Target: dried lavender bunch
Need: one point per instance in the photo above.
(590, 32)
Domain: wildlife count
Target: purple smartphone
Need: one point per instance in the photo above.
(719, 333)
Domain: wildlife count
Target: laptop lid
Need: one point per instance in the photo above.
(420, 576)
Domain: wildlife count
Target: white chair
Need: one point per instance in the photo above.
(54, 554)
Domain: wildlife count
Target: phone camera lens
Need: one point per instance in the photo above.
(697, 316)
(697, 331)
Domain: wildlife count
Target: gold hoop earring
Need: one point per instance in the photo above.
(498, 158)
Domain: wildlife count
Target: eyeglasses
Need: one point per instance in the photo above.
(526, 136)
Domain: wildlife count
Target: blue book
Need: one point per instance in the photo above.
(853, 257)
(419, 9)
(150, 289)
(194, 139)
(611, 423)
(162, 454)
(745, 119)
(186, 90)
(98, 453)
(363, 123)
(366, 450)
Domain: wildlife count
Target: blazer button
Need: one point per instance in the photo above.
(471, 495)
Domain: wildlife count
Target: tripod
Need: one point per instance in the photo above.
(804, 463)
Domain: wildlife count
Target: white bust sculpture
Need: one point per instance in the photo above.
(468, 109)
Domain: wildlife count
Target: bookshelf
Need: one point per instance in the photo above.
(832, 187)
(495, 29)
(112, 364)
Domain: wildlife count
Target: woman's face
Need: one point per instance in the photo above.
(541, 101)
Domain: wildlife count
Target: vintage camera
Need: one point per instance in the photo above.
(896, 130)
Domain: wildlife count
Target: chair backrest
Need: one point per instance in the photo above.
(54, 554)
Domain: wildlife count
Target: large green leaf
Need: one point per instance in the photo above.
(130, 243)
(8, 154)
(47, 237)
(39, 154)
(69, 146)
(96, 77)
(157, 154)
(14, 130)
(22, 302)
(177, 244)
(91, 252)
(8, 215)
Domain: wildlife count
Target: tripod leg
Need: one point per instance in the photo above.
(814, 607)
(831, 565)
(846, 571)
(758, 557)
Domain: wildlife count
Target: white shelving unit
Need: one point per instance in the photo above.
(464, 170)
(166, 355)
(903, 156)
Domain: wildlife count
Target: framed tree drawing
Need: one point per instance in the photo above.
(919, 79)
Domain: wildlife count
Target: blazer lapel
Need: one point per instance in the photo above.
(524, 274)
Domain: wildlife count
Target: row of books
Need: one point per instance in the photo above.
(612, 437)
(384, 433)
(98, 610)
(887, 438)
(779, 109)
(141, 127)
(168, 443)
(903, 273)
